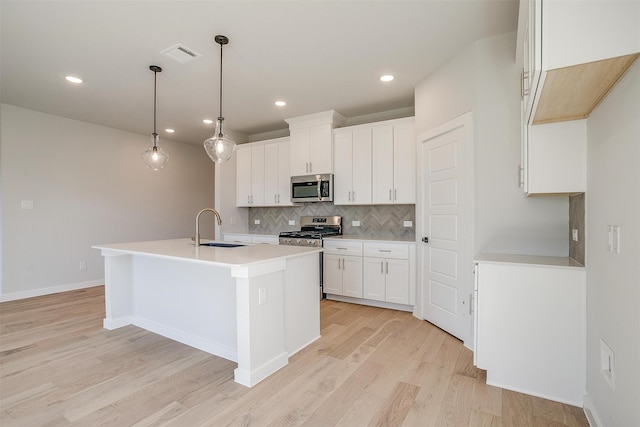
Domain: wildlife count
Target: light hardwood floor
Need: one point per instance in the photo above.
(372, 367)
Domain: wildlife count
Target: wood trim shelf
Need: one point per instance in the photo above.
(571, 93)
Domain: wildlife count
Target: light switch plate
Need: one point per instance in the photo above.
(26, 204)
(256, 221)
(355, 223)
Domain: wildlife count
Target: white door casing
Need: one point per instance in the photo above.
(445, 216)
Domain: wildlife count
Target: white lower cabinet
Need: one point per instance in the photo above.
(530, 326)
(370, 272)
(386, 272)
(342, 268)
(269, 239)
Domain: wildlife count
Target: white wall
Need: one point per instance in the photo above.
(613, 280)
(89, 186)
(485, 79)
(234, 219)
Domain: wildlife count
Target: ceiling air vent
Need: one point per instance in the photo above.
(181, 53)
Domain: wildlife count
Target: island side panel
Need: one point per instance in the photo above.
(302, 302)
(117, 289)
(192, 303)
(260, 308)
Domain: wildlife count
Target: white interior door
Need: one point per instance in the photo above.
(446, 219)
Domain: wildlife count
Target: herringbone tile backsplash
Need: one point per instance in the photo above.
(384, 221)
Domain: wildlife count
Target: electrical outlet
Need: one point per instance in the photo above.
(407, 223)
(83, 265)
(607, 364)
(26, 204)
(355, 223)
(613, 243)
(292, 222)
(574, 234)
(256, 221)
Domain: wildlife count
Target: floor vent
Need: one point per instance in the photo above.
(181, 53)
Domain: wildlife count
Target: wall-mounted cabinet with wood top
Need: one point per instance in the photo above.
(572, 53)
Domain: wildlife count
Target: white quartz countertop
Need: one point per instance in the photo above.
(549, 261)
(184, 249)
(371, 239)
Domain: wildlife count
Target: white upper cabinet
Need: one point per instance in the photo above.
(262, 173)
(311, 142)
(352, 166)
(394, 162)
(250, 175)
(277, 178)
(557, 158)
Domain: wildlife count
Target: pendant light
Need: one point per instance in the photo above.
(219, 147)
(154, 157)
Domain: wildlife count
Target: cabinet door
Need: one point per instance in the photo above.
(342, 183)
(243, 176)
(361, 188)
(397, 283)
(557, 157)
(332, 274)
(320, 149)
(382, 165)
(284, 175)
(404, 160)
(352, 276)
(374, 279)
(299, 159)
(257, 176)
(271, 174)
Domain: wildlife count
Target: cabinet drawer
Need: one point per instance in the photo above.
(240, 238)
(386, 250)
(342, 247)
(269, 240)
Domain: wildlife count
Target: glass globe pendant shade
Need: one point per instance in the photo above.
(219, 148)
(153, 157)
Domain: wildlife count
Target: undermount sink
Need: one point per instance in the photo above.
(222, 245)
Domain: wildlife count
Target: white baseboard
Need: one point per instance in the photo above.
(590, 412)
(50, 290)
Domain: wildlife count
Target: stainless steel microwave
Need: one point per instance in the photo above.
(312, 188)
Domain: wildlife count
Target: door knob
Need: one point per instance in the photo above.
(425, 239)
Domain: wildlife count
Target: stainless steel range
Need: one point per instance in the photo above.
(312, 230)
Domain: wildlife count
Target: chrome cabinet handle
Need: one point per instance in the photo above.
(387, 263)
(390, 194)
(381, 267)
(395, 194)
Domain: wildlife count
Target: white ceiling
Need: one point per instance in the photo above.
(316, 55)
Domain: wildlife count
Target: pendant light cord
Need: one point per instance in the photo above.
(155, 85)
(220, 117)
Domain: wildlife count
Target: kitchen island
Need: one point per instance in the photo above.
(253, 304)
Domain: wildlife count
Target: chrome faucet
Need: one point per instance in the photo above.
(215, 212)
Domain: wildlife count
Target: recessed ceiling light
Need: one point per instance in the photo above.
(386, 78)
(280, 103)
(207, 121)
(169, 130)
(73, 79)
